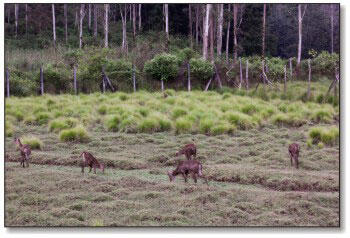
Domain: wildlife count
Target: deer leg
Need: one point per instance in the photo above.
(94, 169)
(194, 176)
(291, 159)
(185, 177)
(90, 168)
(27, 161)
(296, 162)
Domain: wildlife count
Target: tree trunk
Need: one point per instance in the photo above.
(228, 33)
(123, 16)
(7, 82)
(65, 23)
(95, 20)
(130, 9)
(8, 14)
(75, 79)
(235, 48)
(16, 19)
(188, 77)
(41, 81)
(263, 35)
(290, 68)
(133, 77)
(206, 32)
(190, 25)
(26, 18)
(240, 73)
(332, 27)
(246, 75)
(309, 81)
(211, 28)
(219, 32)
(208, 84)
(197, 22)
(134, 20)
(54, 25)
(300, 28)
(285, 79)
(166, 11)
(162, 85)
(76, 19)
(139, 17)
(106, 25)
(81, 17)
(89, 20)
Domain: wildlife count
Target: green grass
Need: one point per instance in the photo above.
(34, 142)
(326, 135)
(77, 133)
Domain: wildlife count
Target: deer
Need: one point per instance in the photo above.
(188, 150)
(25, 152)
(193, 167)
(91, 161)
(293, 150)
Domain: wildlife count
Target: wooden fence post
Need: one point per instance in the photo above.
(41, 81)
(75, 79)
(188, 77)
(246, 75)
(285, 79)
(7, 82)
(309, 81)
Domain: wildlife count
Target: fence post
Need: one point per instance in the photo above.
(246, 75)
(285, 79)
(133, 77)
(188, 77)
(290, 68)
(162, 84)
(240, 73)
(7, 82)
(41, 81)
(308, 87)
(75, 79)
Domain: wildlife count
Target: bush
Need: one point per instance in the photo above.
(205, 125)
(178, 112)
(162, 67)
(102, 110)
(113, 122)
(183, 125)
(328, 136)
(62, 123)
(33, 142)
(201, 69)
(78, 134)
(56, 78)
(240, 120)
(322, 115)
(325, 64)
(148, 125)
(8, 129)
(42, 118)
(118, 70)
(22, 84)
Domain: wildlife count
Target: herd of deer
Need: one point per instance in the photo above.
(186, 167)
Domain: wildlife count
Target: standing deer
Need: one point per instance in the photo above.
(188, 150)
(91, 161)
(294, 154)
(25, 152)
(193, 167)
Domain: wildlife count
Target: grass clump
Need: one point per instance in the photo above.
(240, 120)
(42, 118)
(183, 125)
(322, 115)
(102, 110)
(221, 128)
(178, 112)
(77, 133)
(205, 125)
(113, 122)
(34, 142)
(288, 119)
(8, 129)
(328, 136)
(62, 123)
(148, 124)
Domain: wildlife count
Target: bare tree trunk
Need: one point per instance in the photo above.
(134, 19)
(65, 23)
(81, 17)
(106, 25)
(206, 32)
(123, 16)
(208, 84)
(166, 11)
(41, 81)
(16, 19)
(300, 24)
(139, 17)
(190, 24)
(26, 18)
(211, 29)
(263, 35)
(285, 79)
(133, 77)
(309, 82)
(130, 12)
(235, 48)
(162, 85)
(7, 82)
(246, 75)
(290, 68)
(219, 32)
(8, 14)
(332, 27)
(75, 79)
(89, 20)
(240, 73)
(228, 33)
(54, 25)
(197, 22)
(76, 19)
(188, 77)
(95, 20)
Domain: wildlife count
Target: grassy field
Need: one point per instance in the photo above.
(251, 182)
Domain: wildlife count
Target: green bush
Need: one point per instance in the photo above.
(162, 67)
(42, 118)
(205, 125)
(113, 122)
(201, 69)
(178, 112)
(118, 70)
(325, 64)
(149, 125)
(22, 84)
(240, 120)
(34, 142)
(78, 134)
(8, 129)
(183, 125)
(56, 78)
(62, 123)
(327, 135)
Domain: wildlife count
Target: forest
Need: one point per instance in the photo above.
(243, 97)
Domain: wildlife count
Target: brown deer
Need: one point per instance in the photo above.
(25, 152)
(293, 150)
(91, 161)
(193, 167)
(188, 150)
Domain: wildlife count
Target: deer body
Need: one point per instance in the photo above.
(294, 150)
(25, 152)
(91, 161)
(193, 167)
(188, 150)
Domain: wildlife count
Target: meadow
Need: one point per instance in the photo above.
(241, 136)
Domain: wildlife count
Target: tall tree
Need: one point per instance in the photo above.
(300, 27)
(206, 31)
(228, 32)
(139, 17)
(219, 32)
(166, 14)
(89, 20)
(123, 16)
(26, 18)
(106, 24)
(134, 20)
(16, 19)
(54, 25)
(211, 36)
(190, 25)
(197, 23)
(95, 20)
(332, 27)
(81, 18)
(263, 34)
(65, 23)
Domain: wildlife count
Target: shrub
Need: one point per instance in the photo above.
(325, 63)
(118, 70)
(33, 142)
(240, 120)
(178, 112)
(77, 133)
(183, 125)
(205, 125)
(328, 136)
(186, 54)
(56, 78)
(201, 69)
(42, 118)
(112, 123)
(62, 123)
(22, 84)
(8, 129)
(322, 115)
(102, 110)
(162, 67)
(148, 124)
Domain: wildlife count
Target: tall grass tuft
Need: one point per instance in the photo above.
(34, 142)
(78, 134)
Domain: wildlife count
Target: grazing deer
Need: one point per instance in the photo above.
(25, 152)
(188, 150)
(193, 167)
(91, 161)
(294, 154)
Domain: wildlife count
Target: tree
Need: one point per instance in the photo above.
(65, 23)
(16, 18)
(106, 24)
(54, 25)
(263, 35)
(123, 16)
(235, 48)
(95, 20)
(300, 27)
(26, 18)
(211, 31)
(166, 14)
(332, 27)
(89, 20)
(81, 18)
(134, 20)
(228, 32)
(206, 32)
(139, 17)
(190, 25)
(197, 24)
(219, 32)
